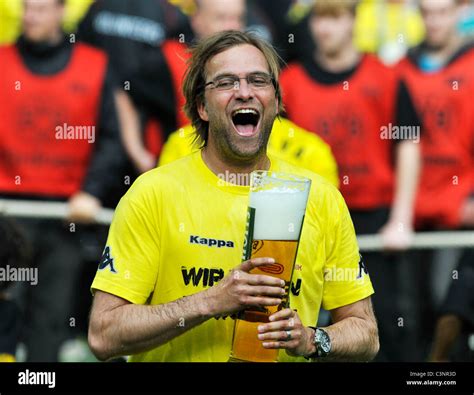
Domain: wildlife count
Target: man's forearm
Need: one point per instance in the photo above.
(118, 327)
(407, 171)
(131, 329)
(352, 339)
(130, 128)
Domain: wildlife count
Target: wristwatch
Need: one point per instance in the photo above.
(322, 342)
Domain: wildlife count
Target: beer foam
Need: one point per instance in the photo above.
(279, 213)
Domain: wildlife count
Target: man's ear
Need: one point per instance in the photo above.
(202, 110)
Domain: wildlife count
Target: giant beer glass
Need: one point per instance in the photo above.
(277, 205)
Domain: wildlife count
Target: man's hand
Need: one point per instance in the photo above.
(467, 213)
(286, 331)
(240, 289)
(396, 236)
(83, 208)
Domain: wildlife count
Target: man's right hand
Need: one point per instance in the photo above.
(240, 289)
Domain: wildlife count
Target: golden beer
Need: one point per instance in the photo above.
(275, 217)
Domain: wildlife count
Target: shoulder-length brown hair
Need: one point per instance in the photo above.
(195, 77)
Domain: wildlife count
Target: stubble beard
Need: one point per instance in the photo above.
(236, 152)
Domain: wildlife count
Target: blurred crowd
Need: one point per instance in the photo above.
(377, 100)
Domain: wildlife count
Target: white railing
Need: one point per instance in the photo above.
(423, 240)
(45, 210)
(57, 210)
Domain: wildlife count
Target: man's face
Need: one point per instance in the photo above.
(42, 19)
(240, 119)
(331, 33)
(441, 18)
(216, 16)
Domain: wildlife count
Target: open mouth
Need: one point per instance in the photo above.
(245, 121)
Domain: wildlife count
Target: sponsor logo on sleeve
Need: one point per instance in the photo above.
(362, 268)
(107, 261)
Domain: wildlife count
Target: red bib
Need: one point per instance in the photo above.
(444, 102)
(349, 116)
(48, 123)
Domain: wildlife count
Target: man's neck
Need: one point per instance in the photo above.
(339, 62)
(55, 38)
(52, 40)
(220, 166)
(444, 53)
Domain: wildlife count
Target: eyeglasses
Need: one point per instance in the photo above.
(228, 82)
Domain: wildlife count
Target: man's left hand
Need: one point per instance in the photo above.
(286, 331)
(396, 236)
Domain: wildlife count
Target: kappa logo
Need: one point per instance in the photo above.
(210, 242)
(107, 260)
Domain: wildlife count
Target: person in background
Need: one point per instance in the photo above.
(386, 28)
(14, 254)
(440, 75)
(332, 91)
(11, 12)
(132, 32)
(59, 141)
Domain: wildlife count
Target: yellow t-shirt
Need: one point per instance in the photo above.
(287, 141)
(180, 229)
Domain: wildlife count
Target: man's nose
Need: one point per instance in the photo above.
(243, 90)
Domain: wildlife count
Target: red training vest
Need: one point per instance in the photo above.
(46, 123)
(349, 117)
(444, 102)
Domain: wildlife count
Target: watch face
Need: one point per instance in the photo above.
(323, 342)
